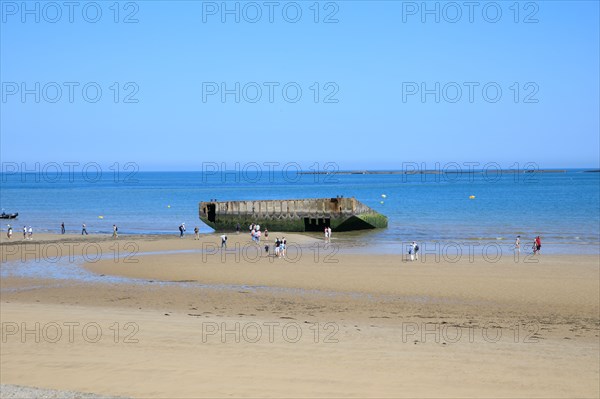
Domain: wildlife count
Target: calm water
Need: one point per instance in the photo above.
(564, 208)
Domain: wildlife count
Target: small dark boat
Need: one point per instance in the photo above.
(9, 215)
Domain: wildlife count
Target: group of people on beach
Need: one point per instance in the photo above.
(27, 232)
(413, 248)
(280, 248)
(182, 230)
(256, 234)
(536, 247)
(280, 245)
(84, 232)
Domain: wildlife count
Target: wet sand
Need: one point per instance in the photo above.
(173, 317)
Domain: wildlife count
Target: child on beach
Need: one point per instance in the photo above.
(9, 232)
(115, 229)
(30, 233)
(518, 244)
(62, 228)
(84, 230)
(196, 233)
(24, 232)
(181, 230)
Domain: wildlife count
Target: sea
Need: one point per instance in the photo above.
(474, 208)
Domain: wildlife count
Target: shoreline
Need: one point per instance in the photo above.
(346, 242)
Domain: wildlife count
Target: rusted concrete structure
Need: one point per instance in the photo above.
(341, 214)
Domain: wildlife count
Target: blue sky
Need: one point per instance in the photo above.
(366, 66)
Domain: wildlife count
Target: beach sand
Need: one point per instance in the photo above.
(174, 317)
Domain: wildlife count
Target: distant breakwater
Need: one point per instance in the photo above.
(432, 172)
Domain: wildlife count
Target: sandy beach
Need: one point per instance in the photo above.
(134, 133)
(157, 316)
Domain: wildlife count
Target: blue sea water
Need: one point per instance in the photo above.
(563, 208)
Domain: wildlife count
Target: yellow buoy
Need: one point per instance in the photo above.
(472, 197)
(100, 217)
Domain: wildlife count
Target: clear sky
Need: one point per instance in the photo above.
(362, 68)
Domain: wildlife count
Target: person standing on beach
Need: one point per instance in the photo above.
(266, 234)
(277, 244)
(237, 228)
(115, 230)
(84, 230)
(326, 234)
(538, 244)
(283, 247)
(62, 228)
(329, 230)
(518, 244)
(196, 233)
(413, 251)
(30, 233)
(224, 241)
(416, 250)
(181, 230)
(410, 252)
(9, 232)
(24, 232)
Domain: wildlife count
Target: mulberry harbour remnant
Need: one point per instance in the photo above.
(313, 214)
